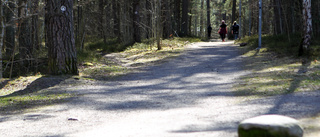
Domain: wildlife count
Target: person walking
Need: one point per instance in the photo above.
(209, 31)
(223, 30)
(235, 30)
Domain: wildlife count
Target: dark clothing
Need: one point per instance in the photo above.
(235, 29)
(223, 29)
(209, 31)
(223, 36)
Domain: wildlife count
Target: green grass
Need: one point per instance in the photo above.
(95, 66)
(24, 94)
(276, 68)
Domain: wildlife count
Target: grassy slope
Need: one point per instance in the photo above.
(277, 69)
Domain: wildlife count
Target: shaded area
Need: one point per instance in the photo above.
(198, 73)
(34, 95)
(297, 105)
(3, 83)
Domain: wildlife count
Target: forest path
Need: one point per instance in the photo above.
(190, 95)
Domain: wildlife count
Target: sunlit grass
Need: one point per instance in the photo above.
(16, 84)
(275, 71)
(15, 97)
(139, 54)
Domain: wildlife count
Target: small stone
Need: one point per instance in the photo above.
(73, 119)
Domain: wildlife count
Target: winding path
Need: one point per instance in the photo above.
(190, 95)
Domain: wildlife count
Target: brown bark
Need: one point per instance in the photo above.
(60, 37)
(24, 36)
(136, 21)
(185, 18)
(10, 30)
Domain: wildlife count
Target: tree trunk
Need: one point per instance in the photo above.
(1, 36)
(158, 24)
(101, 20)
(116, 19)
(234, 4)
(202, 19)
(35, 25)
(307, 20)
(136, 21)
(250, 17)
(25, 46)
(208, 13)
(167, 28)
(177, 15)
(60, 37)
(10, 31)
(279, 17)
(185, 18)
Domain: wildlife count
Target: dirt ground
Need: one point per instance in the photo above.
(190, 95)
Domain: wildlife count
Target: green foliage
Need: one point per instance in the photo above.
(283, 45)
(111, 45)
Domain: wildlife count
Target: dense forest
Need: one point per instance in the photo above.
(45, 35)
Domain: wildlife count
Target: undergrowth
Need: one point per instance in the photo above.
(94, 66)
(277, 68)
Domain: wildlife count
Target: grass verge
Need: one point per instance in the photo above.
(140, 54)
(27, 93)
(276, 68)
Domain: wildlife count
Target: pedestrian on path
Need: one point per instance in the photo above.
(223, 30)
(235, 30)
(209, 31)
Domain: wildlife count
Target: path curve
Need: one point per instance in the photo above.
(190, 95)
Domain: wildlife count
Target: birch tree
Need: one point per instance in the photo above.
(307, 20)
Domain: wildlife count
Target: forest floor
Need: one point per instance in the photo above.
(190, 95)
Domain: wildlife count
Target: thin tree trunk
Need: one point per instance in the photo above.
(208, 13)
(1, 37)
(177, 15)
(202, 19)
(136, 21)
(25, 46)
(158, 24)
(101, 20)
(279, 15)
(250, 17)
(10, 30)
(185, 18)
(34, 25)
(116, 19)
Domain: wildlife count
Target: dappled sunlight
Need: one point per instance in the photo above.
(17, 84)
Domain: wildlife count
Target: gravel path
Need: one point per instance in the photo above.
(190, 95)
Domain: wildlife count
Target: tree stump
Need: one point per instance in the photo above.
(270, 126)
